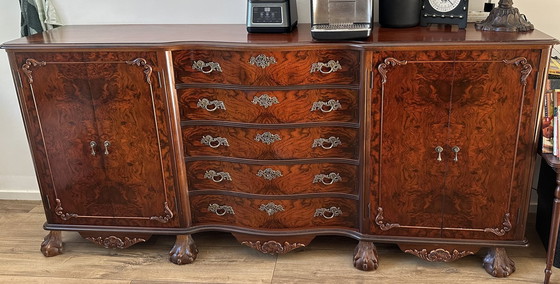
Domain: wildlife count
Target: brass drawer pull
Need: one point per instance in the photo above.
(269, 174)
(265, 100)
(271, 208)
(214, 142)
(332, 66)
(262, 61)
(333, 177)
(333, 141)
(204, 103)
(211, 174)
(333, 104)
(106, 144)
(267, 138)
(456, 150)
(92, 145)
(328, 213)
(200, 65)
(220, 210)
(439, 149)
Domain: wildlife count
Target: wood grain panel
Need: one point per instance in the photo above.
(294, 179)
(297, 214)
(295, 143)
(289, 68)
(243, 106)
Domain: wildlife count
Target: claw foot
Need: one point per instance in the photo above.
(52, 244)
(497, 263)
(184, 251)
(365, 256)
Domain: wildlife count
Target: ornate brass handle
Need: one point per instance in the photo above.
(271, 208)
(456, 150)
(333, 141)
(265, 100)
(220, 210)
(439, 149)
(92, 145)
(106, 144)
(328, 213)
(333, 104)
(332, 65)
(214, 142)
(333, 177)
(200, 65)
(211, 174)
(262, 61)
(267, 138)
(269, 174)
(204, 103)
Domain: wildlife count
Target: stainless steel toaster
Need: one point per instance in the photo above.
(341, 19)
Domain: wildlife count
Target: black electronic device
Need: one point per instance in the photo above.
(452, 12)
(271, 16)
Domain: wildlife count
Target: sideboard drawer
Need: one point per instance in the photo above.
(250, 143)
(269, 106)
(273, 179)
(267, 68)
(274, 214)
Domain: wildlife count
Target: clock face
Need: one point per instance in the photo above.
(444, 6)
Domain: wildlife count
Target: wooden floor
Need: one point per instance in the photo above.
(223, 260)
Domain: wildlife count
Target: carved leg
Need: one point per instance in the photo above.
(497, 263)
(184, 251)
(52, 244)
(365, 256)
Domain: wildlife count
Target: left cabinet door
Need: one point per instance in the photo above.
(99, 131)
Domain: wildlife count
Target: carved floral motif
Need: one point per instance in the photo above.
(141, 62)
(502, 231)
(31, 63)
(379, 221)
(164, 219)
(383, 67)
(526, 68)
(273, 247)
(115, 242)
(439, 255)
(60, 211)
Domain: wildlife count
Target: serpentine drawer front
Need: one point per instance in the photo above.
(265, 106)
(264, 68)
(422, 137)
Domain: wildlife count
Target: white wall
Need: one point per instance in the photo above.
(17, 179)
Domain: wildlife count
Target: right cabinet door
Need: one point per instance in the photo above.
(452, 137)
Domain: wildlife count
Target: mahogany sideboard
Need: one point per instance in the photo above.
(423, 137)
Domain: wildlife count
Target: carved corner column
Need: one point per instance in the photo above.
(184, 251)
(52, 244)
(365, 256)
(497, 263)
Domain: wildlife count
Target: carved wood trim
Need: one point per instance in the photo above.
(389, 61)
(379, 221)
(60, 211)
(115, 242)
(30, 62)
(141, 62)
(164, 219)
(438, 255)
(526, 68)
(502, 231)
(273, 247)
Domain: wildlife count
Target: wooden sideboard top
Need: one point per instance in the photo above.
(107, 36)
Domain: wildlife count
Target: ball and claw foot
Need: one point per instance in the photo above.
(498, 264)
(365, 256)
(52, 244)
(184, 251)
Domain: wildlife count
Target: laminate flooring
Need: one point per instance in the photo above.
(223, 260)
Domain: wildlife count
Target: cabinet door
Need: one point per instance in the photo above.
(128, 182)
(413, 121)
(493, 100)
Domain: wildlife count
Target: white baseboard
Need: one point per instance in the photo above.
(19, 188)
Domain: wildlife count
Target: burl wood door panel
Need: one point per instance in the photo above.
(269, 106)
(82, 101)
(267, 144)
(262, 67)
(414, 110)
(273, 179)
(491, 122)
(300, 213)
